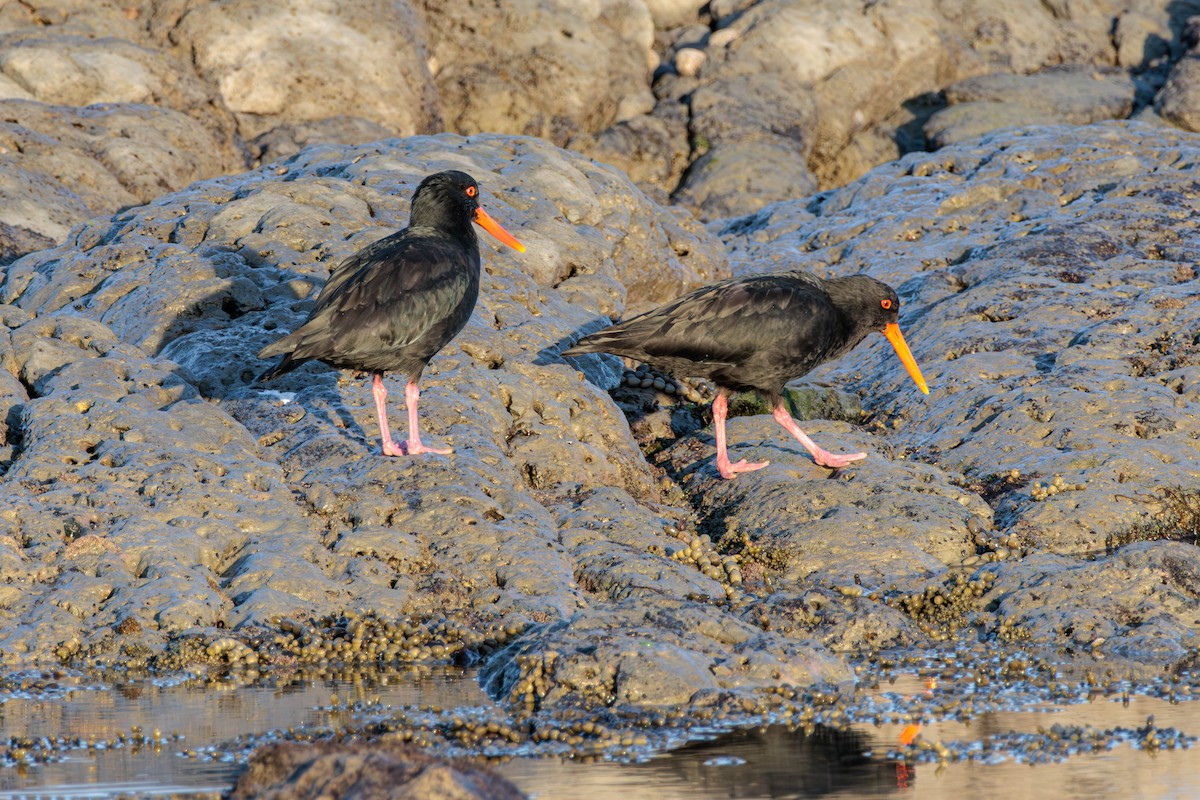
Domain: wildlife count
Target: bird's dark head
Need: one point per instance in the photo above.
(450, 201)
(875, 307)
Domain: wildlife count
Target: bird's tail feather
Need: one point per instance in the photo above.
(285, 365)
(600, 342)
(283, 346)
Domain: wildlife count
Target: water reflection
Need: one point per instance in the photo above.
(778, 762)
(192, 714)
(146, 734)
(771, 762)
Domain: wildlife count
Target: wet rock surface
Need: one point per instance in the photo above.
(169, 495)
(1046, 277)
(154, 495)
(158, 509)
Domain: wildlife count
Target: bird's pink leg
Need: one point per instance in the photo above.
(823, 457)
(390, 447)
(412, 394)
(720, 409)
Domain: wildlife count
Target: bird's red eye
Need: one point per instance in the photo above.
(886, 303)
(472, 191)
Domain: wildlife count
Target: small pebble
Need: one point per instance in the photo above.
(688, 61)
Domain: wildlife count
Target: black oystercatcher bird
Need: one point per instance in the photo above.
(397, 302)
(759, 332)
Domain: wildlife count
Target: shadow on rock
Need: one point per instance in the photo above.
(600, 369)
(215, 342)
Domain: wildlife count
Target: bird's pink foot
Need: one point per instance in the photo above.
(392, 448)
(826, 459)
(728, 470)
(416, 448)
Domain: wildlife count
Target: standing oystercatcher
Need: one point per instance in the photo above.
(394, 304)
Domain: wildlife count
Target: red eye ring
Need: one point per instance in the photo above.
(472, 191)
(886, 303)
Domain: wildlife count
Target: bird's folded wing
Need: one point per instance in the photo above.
(727, 322)
(387, 302)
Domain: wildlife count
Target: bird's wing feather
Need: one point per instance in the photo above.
(386, 297)
(722, 323)
(376, 251)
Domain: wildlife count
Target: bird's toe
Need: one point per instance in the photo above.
(416, 449)
(832, 461)
(729, 470)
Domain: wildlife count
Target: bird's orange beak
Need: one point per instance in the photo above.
(892, 332)
(491, 226)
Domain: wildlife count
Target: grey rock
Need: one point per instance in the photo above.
(77, 162)
(652, 149)
(190, 503)
(630, 655)
(580, 68)
(1178, 101)
(673, 13)
(1144, 596)
(151, 493)
(960, 123)
(807, 526)
(90, 18)
(66, 69)
(335, 771)
(736, 179)
(305, 60)
(290, 138)
(15, 239)
(1142, 38)
(1064, 94)
(810, 75)
(752, 137)
(38, 209)
(1044, 276)
(790, 97)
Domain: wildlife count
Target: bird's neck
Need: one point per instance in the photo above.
(441, 218)
(852, 325)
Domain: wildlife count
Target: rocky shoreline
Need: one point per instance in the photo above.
(155, 494)
(158, 509)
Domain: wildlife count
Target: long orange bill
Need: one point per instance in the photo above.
(892, 332)
(491, 226)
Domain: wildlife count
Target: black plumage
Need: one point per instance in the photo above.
(757, 333)
(394, 304)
